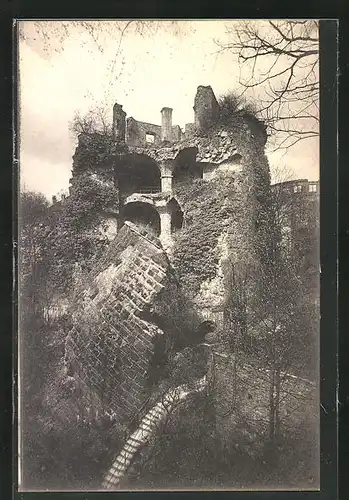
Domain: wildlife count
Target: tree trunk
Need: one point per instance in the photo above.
(277, 403)
(234, 378)
(272, 405)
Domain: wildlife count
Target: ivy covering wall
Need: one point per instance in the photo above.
(76, 236)
(207, 206)
(236, 204)
(95, 152)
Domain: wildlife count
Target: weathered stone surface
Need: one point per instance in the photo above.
(149, 135)
(136, 133)
(166, 124)
(119, 122)
(219, 146)
(206, 107)
(110, 346)
(121, 309)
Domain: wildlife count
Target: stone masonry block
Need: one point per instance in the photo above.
(113, 333)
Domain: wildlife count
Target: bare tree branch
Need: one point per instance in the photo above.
(279, 60)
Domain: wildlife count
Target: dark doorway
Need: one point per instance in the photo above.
(138, 174)
(142, 214)
(186, 167)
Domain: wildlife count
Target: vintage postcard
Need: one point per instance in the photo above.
(169, 271)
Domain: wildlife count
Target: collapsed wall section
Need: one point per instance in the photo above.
(110, 347)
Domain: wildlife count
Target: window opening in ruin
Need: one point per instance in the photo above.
(312, 188)
(150, 138)
(186, 168)
(138, 174)
(143, 215)
(297, 189)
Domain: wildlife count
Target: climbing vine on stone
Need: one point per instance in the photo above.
(207, 207)
(76, 233)
(95, 151)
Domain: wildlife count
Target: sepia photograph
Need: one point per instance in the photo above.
(168, 255)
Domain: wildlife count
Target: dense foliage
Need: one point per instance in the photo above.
(233, 106)
(207, 207)
(34, 250)
(53, 239)
(94, 151)
(76, 235)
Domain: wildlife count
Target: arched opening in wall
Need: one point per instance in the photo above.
(143, 215)
(186, 168)
(236, 159)
(176, 215)
(138, 174)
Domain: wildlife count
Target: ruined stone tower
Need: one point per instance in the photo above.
(190, 205)
(206, 107)
(119, 123)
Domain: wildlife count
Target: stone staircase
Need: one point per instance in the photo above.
(146, 429)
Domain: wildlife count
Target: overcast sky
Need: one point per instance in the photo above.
(68, 70)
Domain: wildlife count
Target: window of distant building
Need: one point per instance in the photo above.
(297, 189)
(150, 138)
(312, 188)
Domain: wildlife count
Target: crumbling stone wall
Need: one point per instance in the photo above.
(110, 346)
(136, 132)
(95, 153)
(206, 107)
(119, 123)
(225, 212)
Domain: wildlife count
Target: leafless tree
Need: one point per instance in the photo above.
(48, 31)
(279, 62)
(95, 121)
(236, 315)
(279, 311)
(50, 36)
(34, 262)
(266, 305)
